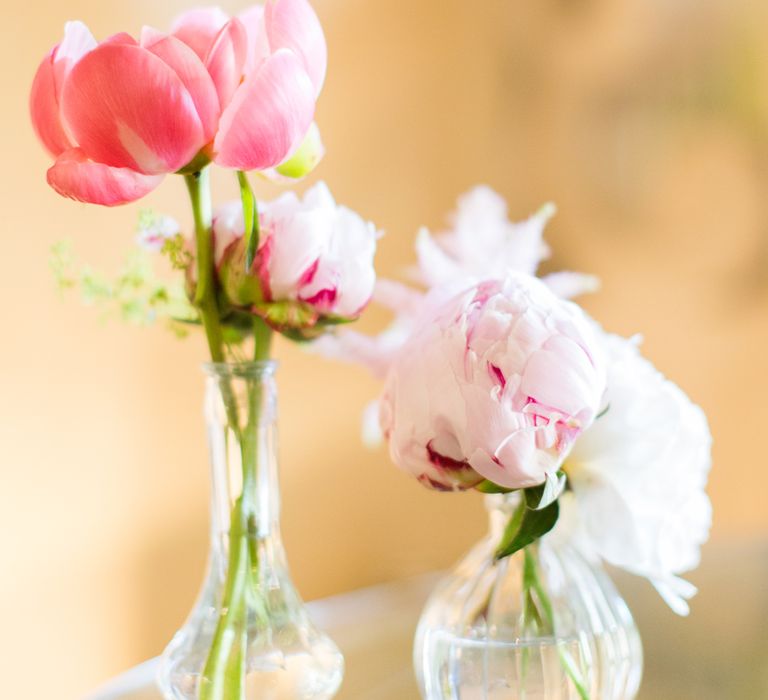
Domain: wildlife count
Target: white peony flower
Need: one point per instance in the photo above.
(638, 476)
(484, 244)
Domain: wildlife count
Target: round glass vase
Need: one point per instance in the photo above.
(542, 624)
(248, 636)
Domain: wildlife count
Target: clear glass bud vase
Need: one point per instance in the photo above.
(248, 636)
(542, 624)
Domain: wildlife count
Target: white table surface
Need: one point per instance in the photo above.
(719, 653)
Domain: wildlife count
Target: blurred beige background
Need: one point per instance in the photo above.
(646, 121)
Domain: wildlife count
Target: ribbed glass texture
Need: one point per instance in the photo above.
(484, 635)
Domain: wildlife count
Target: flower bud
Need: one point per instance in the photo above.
(305, 159)
(313, 266)
(496, 384)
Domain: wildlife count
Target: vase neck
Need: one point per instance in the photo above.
(500, 508)
(241, 414)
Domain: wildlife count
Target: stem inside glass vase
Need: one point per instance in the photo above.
(249, 636)
(224, 672)
(225, 668)
(539, 617)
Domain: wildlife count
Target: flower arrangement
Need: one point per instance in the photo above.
(119, 115)
(495, 381)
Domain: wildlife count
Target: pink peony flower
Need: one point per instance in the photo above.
(313, 254)
(482, 244)
(119, 115)
(497, 385)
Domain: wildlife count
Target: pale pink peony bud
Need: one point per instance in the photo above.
(497, 384)
(315, 259)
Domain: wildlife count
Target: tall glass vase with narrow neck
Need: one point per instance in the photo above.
(542, 624)
(248, 636)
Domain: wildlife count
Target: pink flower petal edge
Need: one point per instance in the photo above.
(226, 59)
(44, 109)
(198, 28)
(268, 117)
(74, 176)
(258, 44)
(77, 42)
(293, 24)
(47, 84)
(192, 73)
(117, 100)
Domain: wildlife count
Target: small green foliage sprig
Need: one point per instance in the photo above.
(136, 295)
(177, 252)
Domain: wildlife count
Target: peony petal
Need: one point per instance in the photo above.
(258, 44)
(374, 353)
(47, 85)
(198, 28)
(77, 42)
(192, 73)
(44, 109)
(117, 101)
(268, 117)
(560, 377)
(293, 24)
(398, 297)
(571, 284)
(344, 279)
(371, 427)
(638, 475)
(435, 265)
(120, 38)
(676, 593)
(74, 176)
(228, 227)
(226, 60)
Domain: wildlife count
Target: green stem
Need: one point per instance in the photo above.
(262, 340)
(199, 187)
(546, 616)
(223, 676)
(224, 672)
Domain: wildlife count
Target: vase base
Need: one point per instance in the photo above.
(282, 677)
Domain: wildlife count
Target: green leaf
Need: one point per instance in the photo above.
(526, 526)
(538, 497)
(250, 218)
(486, 486)
(331, 320)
